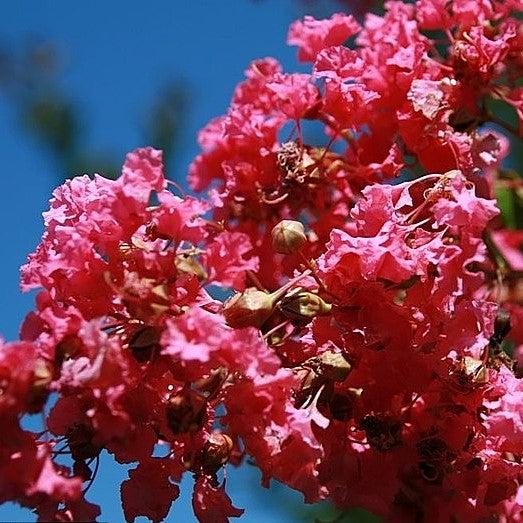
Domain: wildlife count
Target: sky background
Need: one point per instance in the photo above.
(117, 56)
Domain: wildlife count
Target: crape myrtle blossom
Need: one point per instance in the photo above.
(361, 356)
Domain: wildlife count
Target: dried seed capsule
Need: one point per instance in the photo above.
(310, 383)
(383, 431)
(436, 459)
(288, 236)
(289, 157)
(469, 374)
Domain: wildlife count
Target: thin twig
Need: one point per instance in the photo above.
(93, 476)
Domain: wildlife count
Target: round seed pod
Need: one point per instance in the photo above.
(216, 452)
(288, 236)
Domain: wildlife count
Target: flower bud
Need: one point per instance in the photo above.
(208, 386)
(341, 404)
(502, 326)
(334, 366)
(288, 236)
(216, 452)
(80, 440)
(340, 407)
(144, 343)
(304, 305)
(251, 308)
(39, 390)
(189, 265)
(82, 470)
(186, 412)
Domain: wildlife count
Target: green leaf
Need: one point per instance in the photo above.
(511, 204)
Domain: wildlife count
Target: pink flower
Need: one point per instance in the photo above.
(367, 367)
(311, 35)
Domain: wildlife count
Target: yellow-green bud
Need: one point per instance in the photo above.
(305, 305)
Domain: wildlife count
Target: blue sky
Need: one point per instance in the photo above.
(118, 56)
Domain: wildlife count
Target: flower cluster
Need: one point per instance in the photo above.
(361, 356)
